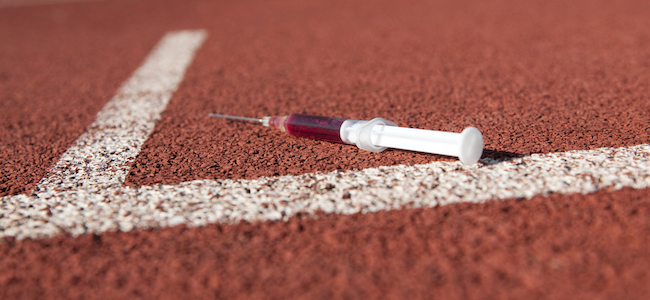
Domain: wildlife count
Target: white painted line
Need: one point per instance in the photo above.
(277, 198)
(100, 157)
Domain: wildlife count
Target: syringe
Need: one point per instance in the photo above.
(377, 134)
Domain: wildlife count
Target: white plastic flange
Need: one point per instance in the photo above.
(365, 132)
(361, 133)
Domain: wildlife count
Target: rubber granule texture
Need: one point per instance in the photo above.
(560, 247)
(533, 76)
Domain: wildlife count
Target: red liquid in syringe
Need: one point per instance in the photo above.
(307, 126)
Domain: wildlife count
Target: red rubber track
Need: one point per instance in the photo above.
(534, 76)
(560, 247)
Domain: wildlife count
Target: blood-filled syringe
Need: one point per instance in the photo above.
(377, 134)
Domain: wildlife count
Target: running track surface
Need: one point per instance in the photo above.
(116, 184)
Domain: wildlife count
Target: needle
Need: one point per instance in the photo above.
(235, 117)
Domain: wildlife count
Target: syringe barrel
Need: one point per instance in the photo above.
(308, 126)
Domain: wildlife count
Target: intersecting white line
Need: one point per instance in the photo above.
(84, 193)
(100, 157)
(202, 202)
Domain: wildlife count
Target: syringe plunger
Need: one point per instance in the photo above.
(378, 134)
